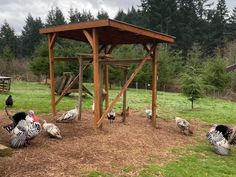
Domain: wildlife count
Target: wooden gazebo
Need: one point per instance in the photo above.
(104, 36)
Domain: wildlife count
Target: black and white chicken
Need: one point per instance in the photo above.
(69, 116)
(148, 113)
(52, 130)
(183, 125)
(111, 116)
(9, 101)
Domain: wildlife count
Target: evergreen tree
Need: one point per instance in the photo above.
(120, 15)
(232, 24)
(76, 16)
(185, 23)
(102, 15)
(217, 28)
(30, 35)
(192, 84)
(55, 17)
(159, 14)
(8, 39)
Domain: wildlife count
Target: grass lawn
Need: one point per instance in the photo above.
(197, 160)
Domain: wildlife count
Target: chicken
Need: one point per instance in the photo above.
(52, 130)
(126, 112)
(111, 116)
(93, 107)
(69, 116)
(148, 113)
(9, 101)
(183, 125)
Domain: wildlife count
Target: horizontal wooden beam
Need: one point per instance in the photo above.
(123, 61)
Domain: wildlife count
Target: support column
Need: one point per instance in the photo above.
(80, 86)
(96, 77)
(154, 85)
(107, 85)
(51, 43)
(124, 96)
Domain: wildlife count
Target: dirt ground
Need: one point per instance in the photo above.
(83, 149)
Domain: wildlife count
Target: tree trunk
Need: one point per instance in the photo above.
(192, 103)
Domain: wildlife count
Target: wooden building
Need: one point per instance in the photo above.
(104, 36)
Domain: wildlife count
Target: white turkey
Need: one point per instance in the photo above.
(52, 130)
(111, 116)
(69, 116)
(183, 125)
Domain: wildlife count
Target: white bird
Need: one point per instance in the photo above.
(183, 125)
(93, 107)
(148, 113)
(69, 116)
(111, 116)
(52, 130)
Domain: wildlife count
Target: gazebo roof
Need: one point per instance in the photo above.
(110, 32)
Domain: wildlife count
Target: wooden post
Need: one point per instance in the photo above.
(107, 85)
(154, 85)
(101, 75)
(80, 86)
(96, 77)
(124, 96)
(51, 42)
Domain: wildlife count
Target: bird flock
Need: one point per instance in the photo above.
(26, 126)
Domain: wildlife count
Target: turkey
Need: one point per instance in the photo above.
(111, 116)
(183, 125)
(52, 130)
(228, 133)
(148, 113)
(19, 135)
(9, 101)
(69, 116)
(17, 117)
(216, 138)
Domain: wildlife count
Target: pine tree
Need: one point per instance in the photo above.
(30, 35)
(55, 17)
(102, 15)
(232, 24)
(8, 39)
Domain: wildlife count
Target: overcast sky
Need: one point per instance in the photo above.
(16, 11)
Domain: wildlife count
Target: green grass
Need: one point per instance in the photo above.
(195, 161)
